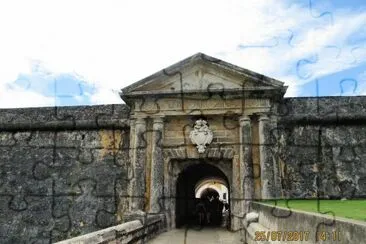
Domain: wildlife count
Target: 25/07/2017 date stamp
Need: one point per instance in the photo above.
(295, 235)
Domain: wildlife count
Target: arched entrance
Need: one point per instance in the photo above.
(188, 183)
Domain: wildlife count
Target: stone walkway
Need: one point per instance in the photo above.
(206, 235)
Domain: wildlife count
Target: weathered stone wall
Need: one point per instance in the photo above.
(63, 172)
(320, 144)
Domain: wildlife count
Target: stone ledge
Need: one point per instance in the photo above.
(71, 117)
(282, 219)
(65, 125)
(322, 110)
(129, 232)
(308, 119)
(104, 235)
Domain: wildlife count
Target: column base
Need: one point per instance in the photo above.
(135, 215)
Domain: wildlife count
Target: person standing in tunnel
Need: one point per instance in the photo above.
(226, 206)
(220, 211)
(208, 209)
(201, 212)
(214, 209)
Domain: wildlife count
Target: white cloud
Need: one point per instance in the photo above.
(362, 83)
(18, 97)
(107, 96)
(115, 43)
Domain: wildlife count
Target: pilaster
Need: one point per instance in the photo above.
(138, 162)
(267, 174)
(245, 154)
(157, 167)
(277, 188)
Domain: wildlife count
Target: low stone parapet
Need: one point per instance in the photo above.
(281, 225)
(65, 118)
(129, 232)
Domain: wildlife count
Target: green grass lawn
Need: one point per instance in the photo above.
(352, 209)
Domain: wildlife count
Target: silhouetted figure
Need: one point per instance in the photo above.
(214, 210)
(208, 204)
(201, 212)
(221, 207)
(226, 206)
(225, 218)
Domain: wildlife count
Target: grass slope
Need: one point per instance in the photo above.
(352, 209)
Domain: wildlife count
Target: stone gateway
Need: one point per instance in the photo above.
(67, 171)
(172, 109)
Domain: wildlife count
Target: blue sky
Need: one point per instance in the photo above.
(82, 53)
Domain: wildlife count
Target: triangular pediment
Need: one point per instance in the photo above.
(201, 73)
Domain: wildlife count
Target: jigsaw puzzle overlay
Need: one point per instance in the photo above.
(62, 174)
(67, 171)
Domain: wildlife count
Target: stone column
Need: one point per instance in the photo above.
(277, 188)
(157, 167)
(266, 163)
(138, 161)
(236, 194)
(245, 155)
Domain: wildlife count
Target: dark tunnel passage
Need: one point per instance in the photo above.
(186, 202)
(208, 193)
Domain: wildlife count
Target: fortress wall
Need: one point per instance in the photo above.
(63, 172)
(321, 147)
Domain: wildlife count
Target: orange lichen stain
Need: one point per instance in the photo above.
(148, 180)
(110, 141)
(147, 193)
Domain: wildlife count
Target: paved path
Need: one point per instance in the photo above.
(206, 235)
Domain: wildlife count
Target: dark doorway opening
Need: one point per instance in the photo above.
(186, 199)
(209, 193)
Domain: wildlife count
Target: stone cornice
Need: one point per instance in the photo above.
(113, 116)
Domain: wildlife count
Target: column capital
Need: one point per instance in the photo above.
(244, 119)
(274, 118)
(140, 120)
(263, 116)
(159, 120)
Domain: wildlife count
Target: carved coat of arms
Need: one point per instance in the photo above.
(201, 135)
